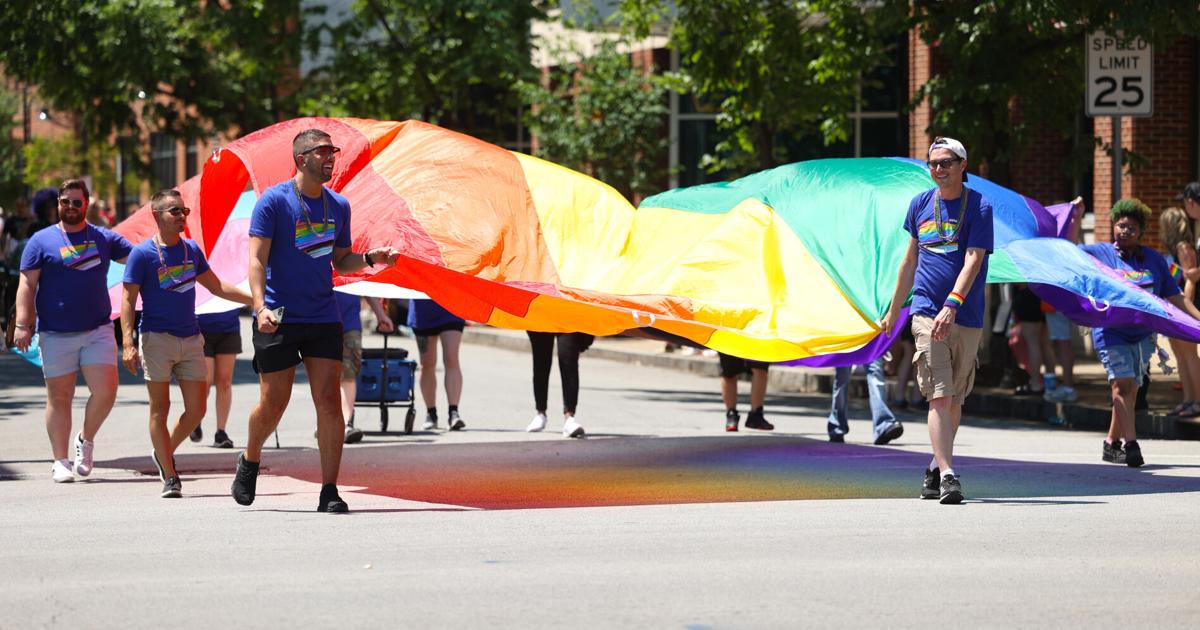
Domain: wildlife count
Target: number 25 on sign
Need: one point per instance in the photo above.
(1120, 75)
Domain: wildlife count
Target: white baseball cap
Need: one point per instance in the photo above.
(954, 146)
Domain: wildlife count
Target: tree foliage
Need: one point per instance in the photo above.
(10, 150)
(1012, 69)
(454, 63)
(603, 116)
(772, 68)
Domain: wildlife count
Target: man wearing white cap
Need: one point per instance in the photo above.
(946, 269)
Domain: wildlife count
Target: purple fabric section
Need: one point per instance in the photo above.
(1083, 311)
(1058, 219)
(866, 354)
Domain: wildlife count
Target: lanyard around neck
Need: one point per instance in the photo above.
(86, 236)
(937, 209)
(304, 209)
(162, 260)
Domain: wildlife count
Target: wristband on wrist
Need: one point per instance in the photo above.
(954, 300)
(367, 259)
(23, 325)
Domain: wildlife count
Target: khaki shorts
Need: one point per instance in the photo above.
(947, 367)
(164, 354)
(351, 354)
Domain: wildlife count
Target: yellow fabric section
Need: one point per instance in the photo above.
(743, 270)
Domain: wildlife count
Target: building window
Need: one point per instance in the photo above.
(162, 160)
(189, 160)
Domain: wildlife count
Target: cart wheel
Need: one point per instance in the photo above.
(408, 420)
(383, 419)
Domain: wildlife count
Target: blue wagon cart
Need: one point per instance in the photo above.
(386, 380)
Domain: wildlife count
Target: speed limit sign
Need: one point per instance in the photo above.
(1120, 75)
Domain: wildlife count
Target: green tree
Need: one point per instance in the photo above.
(48, 161)
(454, 63)
(774, 68)
(1010, 69)
(603, 116)
(179, 66)
(10, 149)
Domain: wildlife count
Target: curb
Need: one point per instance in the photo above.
(820, 381)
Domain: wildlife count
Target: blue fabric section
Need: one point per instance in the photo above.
(72, 293)
(167, 285)
(1146, 269)
(297, 280)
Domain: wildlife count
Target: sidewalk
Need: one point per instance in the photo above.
(1091, 412)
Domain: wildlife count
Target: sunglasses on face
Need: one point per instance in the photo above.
(945, 163)
(67, 201)
(176, 212)
(324, 151)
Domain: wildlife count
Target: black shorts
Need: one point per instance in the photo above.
(222, 343)
(292, 343)
(1027, 306)
(437, 330)
(733, 366)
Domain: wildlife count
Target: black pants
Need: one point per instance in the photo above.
(570, 346)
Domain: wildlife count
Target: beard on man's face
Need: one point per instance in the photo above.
(71, 216)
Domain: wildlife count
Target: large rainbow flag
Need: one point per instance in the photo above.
(795, 263)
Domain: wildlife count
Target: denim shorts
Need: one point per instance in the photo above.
(1059, 326)
(64, 352)
(1128, 360)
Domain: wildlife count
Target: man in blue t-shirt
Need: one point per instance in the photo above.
(63, 292)
(945, 267)
(299, 233)
(1125, 351)
(163, 270)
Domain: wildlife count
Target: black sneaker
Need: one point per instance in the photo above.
(1113, 452)
(929, 487)
(330, 501)
(245, 481)
(1133, 454)
(756, 421)
(221, 440)
(172, 488)
(732, 418)
(951, 490)
(455, 422)
(837, 438)
(893, 432)
(197, 435)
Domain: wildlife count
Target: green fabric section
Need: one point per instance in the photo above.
(849, 213)
(1001, 268)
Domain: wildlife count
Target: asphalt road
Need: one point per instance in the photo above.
(657, 519)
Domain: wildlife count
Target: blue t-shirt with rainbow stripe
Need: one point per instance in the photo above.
(167, 285)
(942, 252)
(72, 292)
(299, 266)
(1147, 269)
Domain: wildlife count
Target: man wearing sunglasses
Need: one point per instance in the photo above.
(945, 267)
(299, 234)
(163, 270)
(63, 292)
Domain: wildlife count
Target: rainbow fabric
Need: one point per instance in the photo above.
(795, 263)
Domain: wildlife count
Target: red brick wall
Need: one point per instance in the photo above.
(1039, 171)
(1167, 140)
(920, 69)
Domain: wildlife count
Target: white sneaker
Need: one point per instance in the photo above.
(83, 455)
(61, 471)
(572, 429)
(430, 423)
(537, 424)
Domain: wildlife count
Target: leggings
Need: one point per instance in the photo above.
(570, 346)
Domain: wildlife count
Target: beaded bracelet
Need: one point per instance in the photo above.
(954, 300)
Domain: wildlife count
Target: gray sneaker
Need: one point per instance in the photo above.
(172, 488)
(353, 434)
(951, 490)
